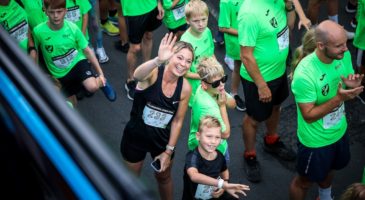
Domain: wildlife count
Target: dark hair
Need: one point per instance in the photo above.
(54, 4)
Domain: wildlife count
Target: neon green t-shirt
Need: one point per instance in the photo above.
(174, 17)
(204, 104)
(203, 47)
(363, 177)
(75, 10)
(359, 40)
(317, 82)
(14, 20)
(62, 49)
(228, 11)
(137, 7)
(35, 13)
(263, 25)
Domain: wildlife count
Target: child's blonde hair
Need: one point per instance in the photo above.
(196, 7)
(208, 122)
(209, 68)
(308, 46)
(355, 191)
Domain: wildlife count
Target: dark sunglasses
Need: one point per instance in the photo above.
(216, 83)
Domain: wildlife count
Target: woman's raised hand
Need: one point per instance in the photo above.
(165, 50)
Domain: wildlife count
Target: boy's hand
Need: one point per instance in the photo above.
(217, 193)
(222, 98)
(232, 189)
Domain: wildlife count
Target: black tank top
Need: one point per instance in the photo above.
(152, 113)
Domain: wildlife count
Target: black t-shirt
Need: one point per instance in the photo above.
(211, 168)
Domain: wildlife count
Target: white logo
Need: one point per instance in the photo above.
(175, 102)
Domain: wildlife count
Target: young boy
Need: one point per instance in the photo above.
(228, 24)
(64, 48)
(206, 175)
(200, 37)
(211, 98)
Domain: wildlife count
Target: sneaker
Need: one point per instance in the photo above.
(110, 29)
(350, 35)
(353, 22)
(109, 92)
(361, 97)
(350, 8)
(102, 57)
(240, 103)
(114, 19)
(123, 48)
(230, 62)
(130, 87)
(252, 169)
(280, 150)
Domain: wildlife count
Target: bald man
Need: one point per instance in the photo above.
(322, 82)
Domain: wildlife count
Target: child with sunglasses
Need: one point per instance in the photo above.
(211, 99)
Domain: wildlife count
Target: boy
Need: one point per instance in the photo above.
(206, 174)
(228, 25)
(211, 98)
(200, 37)
(64, 48)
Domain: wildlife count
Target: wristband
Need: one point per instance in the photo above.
(171, 148)
(290, 9)
(158, 64)
(31, 49)
(220, 183)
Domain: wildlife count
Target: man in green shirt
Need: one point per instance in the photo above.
(359, 41)
(322, 82)
(263, 35)
(142, 17)
(66, 53)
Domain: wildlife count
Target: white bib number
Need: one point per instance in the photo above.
(179, 12)
(65, 60)
(333, 118)
(73, 14)
(204, 191)
(19, 32)
(283, 39)
(156, 117)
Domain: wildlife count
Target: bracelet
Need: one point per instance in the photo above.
(157, 63)
(31, 49)
(167, 153)
(291, 9)
(220, 183)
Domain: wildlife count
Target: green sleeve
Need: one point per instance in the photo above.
(303, 88)
(247, 24)
(224, 20)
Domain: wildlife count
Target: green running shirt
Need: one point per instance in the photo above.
(359, 40)
(137, 7)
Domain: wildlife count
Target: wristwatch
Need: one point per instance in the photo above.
(290, 9)
(171, 148)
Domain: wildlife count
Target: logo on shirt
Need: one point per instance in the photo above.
(338, 66)
(273, 22)
(66, 35)
(322, 77)
(3, 15)
(175, 102)
(47, 38)
(325, 89)
(49, 48)
(5, 24)
(267, 12)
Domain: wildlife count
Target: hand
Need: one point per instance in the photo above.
(304, 22)
(348, 94)
(264, 94)
(222, 98)
(161, 11)
(353, 80)
(232, 189)
(217, 193)
(165, 51)
(165, 160)
(102, 79)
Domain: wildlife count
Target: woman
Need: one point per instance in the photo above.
(158, 111)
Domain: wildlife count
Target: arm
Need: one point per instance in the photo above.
(32, 51)
(230, 31)
(94, 62)
(176, 124)
(252, 68)
(192, 75)
(161, 11)
(85, 19)
(312, 112)
(174, 3)
(303, 20)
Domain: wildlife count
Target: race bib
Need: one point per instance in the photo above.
(283, 39)
(204, 191)
(19, 32)
(73, 14)
(333, 118)
(65, 60)
(156, 117)
(179, 11)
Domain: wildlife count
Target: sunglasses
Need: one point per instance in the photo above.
(216, 83)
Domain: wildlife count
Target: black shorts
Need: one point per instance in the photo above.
(134, 147)
(138, 25)
(258, 110)
(72, 82)
(316, 163)
(183, 27)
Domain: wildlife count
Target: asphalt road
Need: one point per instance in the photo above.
(109, 119)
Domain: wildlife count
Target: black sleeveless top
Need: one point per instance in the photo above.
(152, 114)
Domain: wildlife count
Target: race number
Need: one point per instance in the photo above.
(156, 117)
